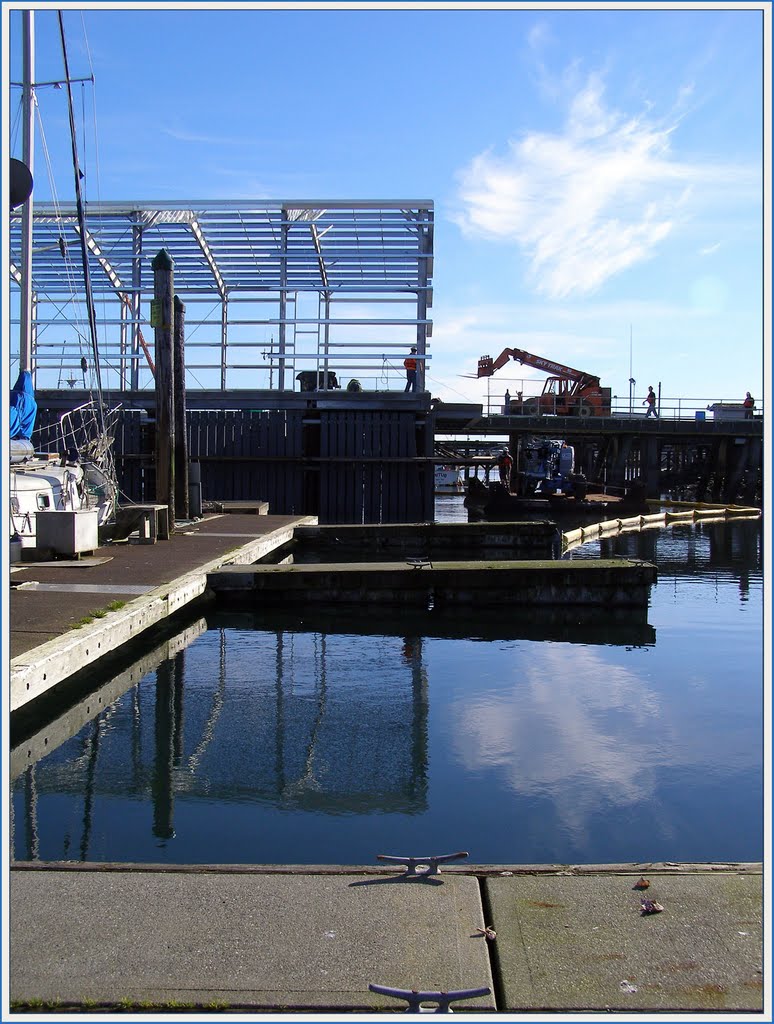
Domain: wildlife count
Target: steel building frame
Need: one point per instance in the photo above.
(278, 287)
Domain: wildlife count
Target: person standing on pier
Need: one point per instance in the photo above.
(650, 401)
(507, 404)
(749, 405)
(504, 465)
(411, 371)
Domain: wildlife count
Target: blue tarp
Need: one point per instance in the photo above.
(24, 408)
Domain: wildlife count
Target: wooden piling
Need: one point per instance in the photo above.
(181, 434)
(163, 320)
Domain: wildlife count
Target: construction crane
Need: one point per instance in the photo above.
(567, 392)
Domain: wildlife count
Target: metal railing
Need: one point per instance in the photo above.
(677, 408)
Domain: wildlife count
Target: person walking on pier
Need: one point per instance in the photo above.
(749, 405)
(650, 400)
(411, 371)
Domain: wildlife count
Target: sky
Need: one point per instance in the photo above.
(598, 174)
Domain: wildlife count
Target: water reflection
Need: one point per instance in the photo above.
(595, 737)
(733, 548)
(264, 717)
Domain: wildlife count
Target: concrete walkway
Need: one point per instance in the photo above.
(584, 943)
(306, 939)
(259, 941)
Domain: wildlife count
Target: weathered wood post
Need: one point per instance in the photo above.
(181, 434)
(650, 466)
(163, 320)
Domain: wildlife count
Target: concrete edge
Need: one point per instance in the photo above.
(51, 734)
(38, 670)
(479, 870)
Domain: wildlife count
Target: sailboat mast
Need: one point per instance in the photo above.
(82, 231)
(28, 115)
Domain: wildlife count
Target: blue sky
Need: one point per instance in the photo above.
(597, 174)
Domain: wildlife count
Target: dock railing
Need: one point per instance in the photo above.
(671, 408)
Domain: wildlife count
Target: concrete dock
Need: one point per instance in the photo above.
(566, 939)
(603, 583)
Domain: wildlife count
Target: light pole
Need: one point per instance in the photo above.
(632, 382)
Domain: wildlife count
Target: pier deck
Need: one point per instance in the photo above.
(306, 939)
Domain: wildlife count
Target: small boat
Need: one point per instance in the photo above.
(493, 502)
(79, 478)
(79, 475)
(448, 480)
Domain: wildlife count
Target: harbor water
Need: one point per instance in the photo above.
(328, 738)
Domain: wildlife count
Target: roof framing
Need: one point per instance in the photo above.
(296, 262)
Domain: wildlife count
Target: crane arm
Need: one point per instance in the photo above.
(487, 366)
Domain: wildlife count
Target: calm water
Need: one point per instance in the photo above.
(331, 739)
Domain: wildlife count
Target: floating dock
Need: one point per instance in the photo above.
(610, 583)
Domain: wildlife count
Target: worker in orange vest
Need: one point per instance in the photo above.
(411, 371)
(504, 465)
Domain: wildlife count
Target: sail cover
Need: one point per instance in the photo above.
(24, 408)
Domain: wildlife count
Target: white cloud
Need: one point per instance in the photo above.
(589, 202)
(538, 36)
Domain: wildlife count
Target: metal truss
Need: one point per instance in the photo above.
(270, 289)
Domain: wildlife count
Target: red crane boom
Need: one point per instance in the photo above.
(567, 392)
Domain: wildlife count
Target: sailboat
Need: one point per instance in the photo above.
(79, 475)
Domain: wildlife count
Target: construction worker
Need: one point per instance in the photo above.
(411, 371)
(749, 405)
(504, 465)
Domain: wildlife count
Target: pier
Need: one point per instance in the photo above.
(276, 420)
(368, 457)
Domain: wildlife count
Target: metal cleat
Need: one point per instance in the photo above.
(415, 999)
(430, 863)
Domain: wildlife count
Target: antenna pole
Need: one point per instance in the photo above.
(28, 117)
(82, 231)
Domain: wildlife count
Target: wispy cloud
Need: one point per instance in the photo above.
(588, 202)
(180, 135)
